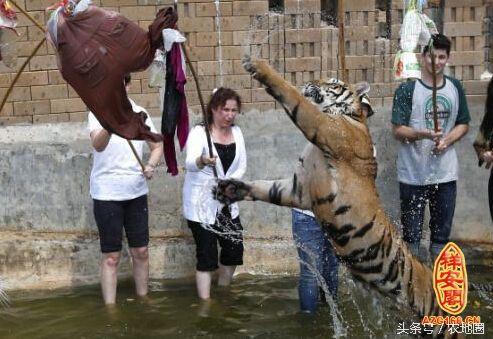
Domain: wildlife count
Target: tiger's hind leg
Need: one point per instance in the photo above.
(287, 192)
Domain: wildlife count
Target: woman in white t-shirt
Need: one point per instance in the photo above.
(119, 190)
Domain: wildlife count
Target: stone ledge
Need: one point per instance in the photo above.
(55, 260)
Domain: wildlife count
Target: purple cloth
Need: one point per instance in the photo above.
(178, 120)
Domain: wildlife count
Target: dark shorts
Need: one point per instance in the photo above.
(114, 216)
(206, 241)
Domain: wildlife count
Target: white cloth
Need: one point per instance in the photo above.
(171, 36)
(52, 23)
(307, 212)
(198, 203)
(116, 175)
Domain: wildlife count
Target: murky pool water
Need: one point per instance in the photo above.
(253, 307)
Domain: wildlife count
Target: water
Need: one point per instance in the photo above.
(219, 42)
(253, 307)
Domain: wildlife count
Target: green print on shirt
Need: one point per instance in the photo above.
(444, 108)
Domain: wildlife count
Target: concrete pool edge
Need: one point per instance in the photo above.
(31, 261)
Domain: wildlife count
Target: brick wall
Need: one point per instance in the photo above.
(296, 41)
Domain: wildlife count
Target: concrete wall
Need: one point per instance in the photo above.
(48, 235)
(47, 232)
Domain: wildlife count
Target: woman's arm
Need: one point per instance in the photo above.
(100, 139)
(155, 158)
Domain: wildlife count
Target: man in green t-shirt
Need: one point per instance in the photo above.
(427, 165)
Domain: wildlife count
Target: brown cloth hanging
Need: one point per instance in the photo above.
(96, 49)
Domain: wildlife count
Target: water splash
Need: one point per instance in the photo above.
(4, 299)
(340, 328)
(219, 42)
(224, 226)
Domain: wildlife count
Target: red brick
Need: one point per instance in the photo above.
(302, 35)
(467, 58)
(135, 13)
(462, 28)
(24, 120)
(5, 80)
(250, 37)
(32, 107)
(78, 116)
(32, 78)
(302, 64)
(197, 24)
(462, 3)
(214, 67)
(235, 23)
(44, 62)
(201, 54)
(67, 105)
(49, 92)
(236, 81)
(51, 118)
(250, 7)
(17, 94)
(231, 52)
(301, 6)
(207, 39)
(209, 9)
(7, 110)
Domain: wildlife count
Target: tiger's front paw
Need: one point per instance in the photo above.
(256, 67)
(230, 191)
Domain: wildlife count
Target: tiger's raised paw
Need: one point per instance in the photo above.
(230, 191)
(255, 67)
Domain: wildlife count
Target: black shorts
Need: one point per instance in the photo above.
(112, 216)
(206, 244)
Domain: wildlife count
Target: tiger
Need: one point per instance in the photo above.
(335, 178)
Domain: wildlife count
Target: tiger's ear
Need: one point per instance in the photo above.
(362, 88)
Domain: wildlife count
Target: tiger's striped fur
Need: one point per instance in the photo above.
(335, 178)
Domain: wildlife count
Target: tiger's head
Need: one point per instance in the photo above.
(333, 96)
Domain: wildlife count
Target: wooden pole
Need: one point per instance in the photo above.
(21, 69)
(27, 15)
(342, 47)
(11, 87)
(134, 151)
(434, 89)
(201, 100)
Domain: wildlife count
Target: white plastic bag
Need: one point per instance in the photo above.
(157, 70)
(406, 65)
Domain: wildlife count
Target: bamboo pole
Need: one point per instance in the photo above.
(342, 47)
(30, 18)
(134, 151)
(21, 69)
(19, 72)
(434, 89)
(199, 93)
(201, 100)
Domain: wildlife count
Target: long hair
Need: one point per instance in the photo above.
(218, 99)
(487, 123)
